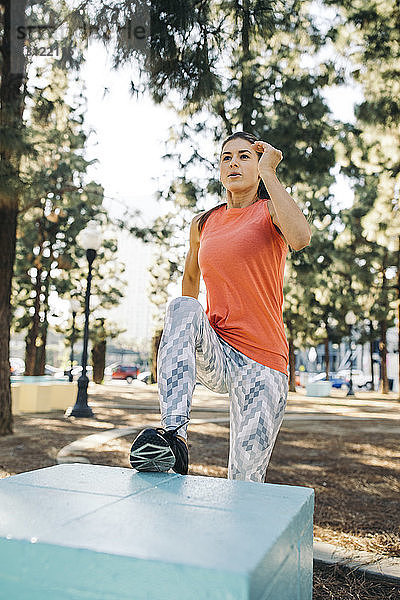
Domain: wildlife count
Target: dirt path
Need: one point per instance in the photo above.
(353, 464)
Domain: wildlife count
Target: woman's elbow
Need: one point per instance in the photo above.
(301, 243)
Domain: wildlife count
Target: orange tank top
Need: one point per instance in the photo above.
(242, 261)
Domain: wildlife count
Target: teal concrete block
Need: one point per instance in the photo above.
(108, 481)
(86, 531)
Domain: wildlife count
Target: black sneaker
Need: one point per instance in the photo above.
(158, 449)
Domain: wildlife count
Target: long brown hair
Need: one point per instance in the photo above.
(261, 190)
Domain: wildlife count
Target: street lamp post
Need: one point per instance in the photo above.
(351, 319)
(90, 240)
(74, 307)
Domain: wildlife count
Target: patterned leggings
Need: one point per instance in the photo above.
(191, 350)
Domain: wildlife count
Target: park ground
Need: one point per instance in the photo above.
(345, 448)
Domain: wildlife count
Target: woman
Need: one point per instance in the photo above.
(238, 345)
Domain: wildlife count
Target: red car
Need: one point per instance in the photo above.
(126, 372)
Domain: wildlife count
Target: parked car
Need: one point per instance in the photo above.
(54, 371)
(108, 371)
(341, 379)
(17, 366)
(127, 372)
(360, 379)
(77, 372)
(145, 376)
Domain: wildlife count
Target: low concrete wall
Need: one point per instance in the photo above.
(43, 397)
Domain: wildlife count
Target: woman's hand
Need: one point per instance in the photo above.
(271, 156)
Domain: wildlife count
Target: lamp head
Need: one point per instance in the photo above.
(90, 238)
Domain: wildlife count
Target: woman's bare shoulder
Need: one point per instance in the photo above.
(196, 219)
(194, 228)
(195, 222)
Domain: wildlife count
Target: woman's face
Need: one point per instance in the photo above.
(238, 157)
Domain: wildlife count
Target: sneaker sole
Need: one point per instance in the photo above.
(151, 453)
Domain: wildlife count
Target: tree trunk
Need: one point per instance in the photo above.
(8, 228)
(99, 361)
(11, 110)
(398, 313)
(383, 352)
(155, 343)
(292, 366)
(33, 331)
(371, 352)
(40, 361)
(383, 329)
(327, 358)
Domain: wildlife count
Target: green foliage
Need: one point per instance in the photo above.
(56, 207)
(370, 32)
(264, 88)
(223, 66)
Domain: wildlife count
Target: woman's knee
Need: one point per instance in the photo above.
(183, 304)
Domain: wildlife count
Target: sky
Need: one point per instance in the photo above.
(129, 137)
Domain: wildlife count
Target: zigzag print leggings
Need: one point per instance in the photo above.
(191, 350)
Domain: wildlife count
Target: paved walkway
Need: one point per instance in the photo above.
(365, 405)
